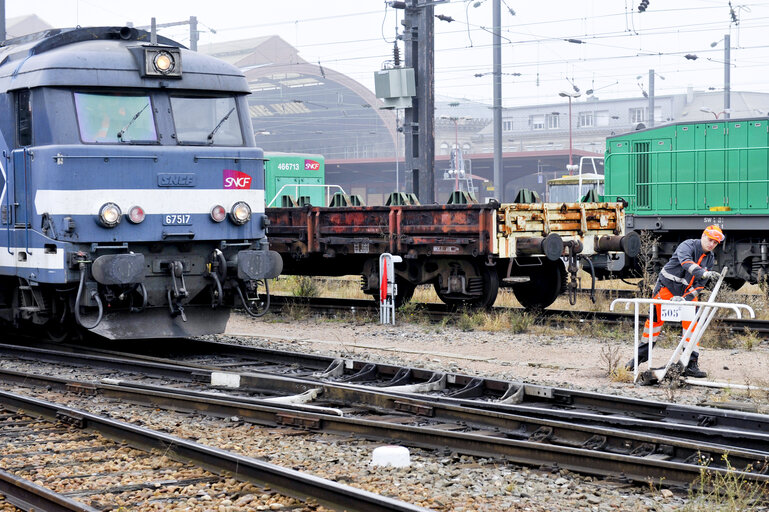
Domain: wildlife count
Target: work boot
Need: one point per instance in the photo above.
(643, 356)
(692, 369)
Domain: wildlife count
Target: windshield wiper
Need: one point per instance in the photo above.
(134, 118)
(216, 128)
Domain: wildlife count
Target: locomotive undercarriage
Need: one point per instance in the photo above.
(147, 291)
(746, 258)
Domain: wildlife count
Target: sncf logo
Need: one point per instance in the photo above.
(311, 165)
(236, 179)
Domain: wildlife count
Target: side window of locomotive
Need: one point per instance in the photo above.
(23, 119)
(206, 121)
(114, 119)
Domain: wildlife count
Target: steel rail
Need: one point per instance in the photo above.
(591, 450)
(728, 428)
(286, 481)
(29, 496)
(534, 399)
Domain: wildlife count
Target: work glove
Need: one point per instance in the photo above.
(711, 274)
(677, 298)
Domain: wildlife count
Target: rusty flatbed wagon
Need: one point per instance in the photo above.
(467, 251)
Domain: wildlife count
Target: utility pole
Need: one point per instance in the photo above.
(651, 98)
(419, 122)
(2, 20)
(497, 107)
(727, 79)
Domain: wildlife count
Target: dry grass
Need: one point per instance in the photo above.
(516, 322)
(611, 357)
(728, 492)
(621, 374)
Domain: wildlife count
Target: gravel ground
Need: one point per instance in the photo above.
(447, 481)
(438, 481)
(563, 357)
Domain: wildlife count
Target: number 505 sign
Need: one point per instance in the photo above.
(677, 313)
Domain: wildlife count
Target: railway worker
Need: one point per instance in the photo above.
(682, 279)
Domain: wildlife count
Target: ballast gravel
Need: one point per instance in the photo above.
(443, 481)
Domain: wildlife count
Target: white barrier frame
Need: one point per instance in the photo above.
(705, 310)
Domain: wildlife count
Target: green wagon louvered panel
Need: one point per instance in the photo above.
(642, 173)
(662, 175)
(756, 195)
(685, 197)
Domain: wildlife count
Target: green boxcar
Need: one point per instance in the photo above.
(286, 173)
(705, 168)
(679, 178)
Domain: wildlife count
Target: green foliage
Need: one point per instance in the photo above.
(304, 286)
(520, 322)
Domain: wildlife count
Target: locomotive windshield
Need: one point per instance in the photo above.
(206, 120)
(110, 118)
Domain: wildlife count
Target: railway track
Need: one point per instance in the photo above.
(59, 458)
(437, 312)
(583, 432)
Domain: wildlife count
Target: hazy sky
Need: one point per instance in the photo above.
(355, 37)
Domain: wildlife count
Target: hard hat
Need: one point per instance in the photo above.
(714, 233)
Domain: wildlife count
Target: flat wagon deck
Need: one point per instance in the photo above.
(467, 251)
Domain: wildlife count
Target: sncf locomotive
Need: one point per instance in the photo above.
(132, 200)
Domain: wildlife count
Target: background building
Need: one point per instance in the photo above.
(303, 107)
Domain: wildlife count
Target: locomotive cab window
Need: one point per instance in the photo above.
(206, 121)
(23, 119)
(114, 119)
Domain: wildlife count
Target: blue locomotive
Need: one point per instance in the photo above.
(132, 200)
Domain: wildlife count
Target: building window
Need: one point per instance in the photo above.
(444, 148)
(507, 126)
(537, 122)
(637, 115)
(585, 119)
(658, 114)
(602, 118)
(553, 121)
(466, 147)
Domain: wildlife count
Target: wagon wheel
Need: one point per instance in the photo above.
(547, 282)
(490, 282)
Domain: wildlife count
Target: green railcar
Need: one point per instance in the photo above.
(681, 177)
(293, 178)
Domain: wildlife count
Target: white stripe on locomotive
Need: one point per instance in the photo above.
(154, 201)
(37, 257)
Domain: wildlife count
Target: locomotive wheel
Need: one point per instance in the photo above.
(547, 281)
(59, 332)
(487, 297)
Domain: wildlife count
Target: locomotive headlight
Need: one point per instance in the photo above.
(135, 214)
(163, 62)
(159, 61)
(240, 213)
(109, 215)
(218, 213)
